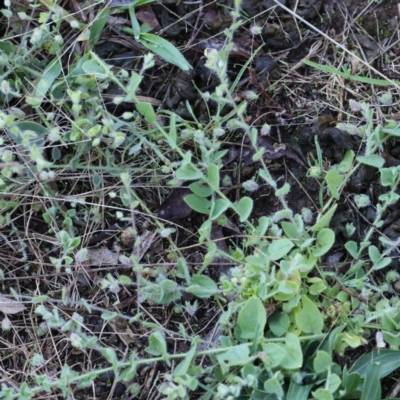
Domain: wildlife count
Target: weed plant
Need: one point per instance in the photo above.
(56, 128)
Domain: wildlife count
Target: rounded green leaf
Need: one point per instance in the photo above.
(309, 319)
(220, 206)
(279, 248)
(188, 172)
(197, 203)
(293, 355)
(325, 240)
(202, 189)
(252, 317)
(244, 208)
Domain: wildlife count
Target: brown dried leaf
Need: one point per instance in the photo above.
(8, 306)
(147, 16)
(273, 150)
(121, 328)
(102, 256)
(174, 206)
(146, 239)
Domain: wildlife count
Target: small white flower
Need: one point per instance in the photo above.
(380, 341)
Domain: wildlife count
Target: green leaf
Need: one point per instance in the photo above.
(279, 323)
(350, 382)
(134, 83)
(294, 356)
(309, 319)
(135, 23)
(382, 263)
(107, 315)
(392, 132)
(164, 49)
(50, 74)
(334, 181)
(147, 111)
(274, 354)
(109, 354)
(374, 160)
(352, 247)
(331, 341)
(182, 368)
(98, 25)
(388, 176)
(389, 360)
(213, 176)
(7, 46)
(279, 248)
(274, 386)
(331, 70)
(347, 162)
(252, 317)
(322, 362)
(324, 220)
(244, 208)
(39, 130)
(374, 254)
(220, 206)
(202, 286)
(201, 189)
(322, 394)
(197, 203)
(372, 386)
(298, 392)
(237, 355)
(291, 230)
(188, 172)
(325, 68)
(39, 299)
(334, 382)
(172, 131)
(325, 240)
(92, 67)
(157, 346)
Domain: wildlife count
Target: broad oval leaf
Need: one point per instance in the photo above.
(374, 160)
(201, 189)
(309, 319)
(334, 181)
(197, 203)
(325, 240)
(188, 172)
(92, 67)
(244, 208)
(213, 176)
(220, 206)
(202, 286)
(293, 355)
(252, 317)
(279, 248)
